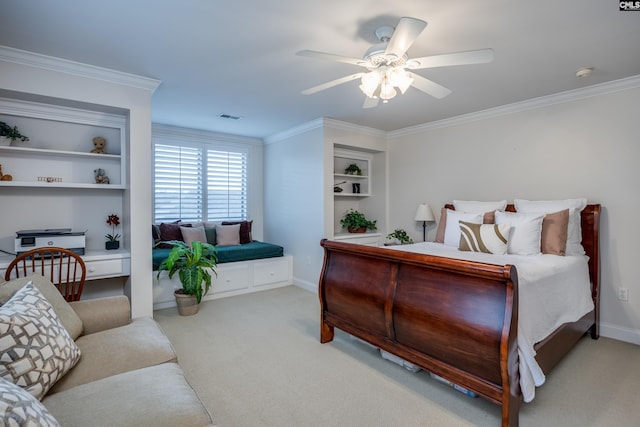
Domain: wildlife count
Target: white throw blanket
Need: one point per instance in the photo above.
(552, 290)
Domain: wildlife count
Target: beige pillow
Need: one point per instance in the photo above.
(555, 228)
(36, 348)
(228, 235)
(193, 234)
(65, 313)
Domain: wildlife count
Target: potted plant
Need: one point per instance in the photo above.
(400, 237)
(356, 222)
(9, 134)
(113, 241)
(194, 265)
(353, 169)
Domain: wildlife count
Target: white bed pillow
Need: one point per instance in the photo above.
(575, 206)
(526, 231)
(473, 206)
(452, 228)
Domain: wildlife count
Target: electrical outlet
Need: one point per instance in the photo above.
(623, 294)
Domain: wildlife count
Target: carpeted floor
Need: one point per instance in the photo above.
(255, 360)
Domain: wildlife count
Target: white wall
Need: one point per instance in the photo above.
(294, 200)
(574, 148)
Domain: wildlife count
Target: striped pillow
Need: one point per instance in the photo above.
(488, 238)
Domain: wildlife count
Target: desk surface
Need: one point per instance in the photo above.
(89, 255)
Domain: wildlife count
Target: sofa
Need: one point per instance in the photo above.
(111, 370)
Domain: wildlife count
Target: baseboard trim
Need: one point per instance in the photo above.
(306, 285)
(619, 333)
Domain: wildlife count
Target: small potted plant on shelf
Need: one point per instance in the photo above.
(194, 265)
(10, 134)
(113, 241)
(399, 236)
(353, 169)
(356, 222)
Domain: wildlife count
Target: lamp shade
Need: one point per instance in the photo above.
(424, 213)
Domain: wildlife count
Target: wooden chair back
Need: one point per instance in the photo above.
(63, 267)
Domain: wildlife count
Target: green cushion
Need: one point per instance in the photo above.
(244, 252)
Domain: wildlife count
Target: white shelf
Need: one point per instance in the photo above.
(341, 160)
(9, 150)
(43, 184)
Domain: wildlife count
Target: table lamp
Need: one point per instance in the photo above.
(424, 214)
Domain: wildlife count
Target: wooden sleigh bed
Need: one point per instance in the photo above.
(457, 319)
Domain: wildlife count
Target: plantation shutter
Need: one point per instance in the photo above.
(226, 185)
(178, 183)
(196, 182)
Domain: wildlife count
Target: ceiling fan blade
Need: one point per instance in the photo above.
(331, 57)
(479, 56)
(405, 34)
(332, 83)
(370, 102)
(429, 87)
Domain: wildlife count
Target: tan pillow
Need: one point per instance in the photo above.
(228, 235)
(441, 226)
(555, 228)
(65, 313)
(193, 234)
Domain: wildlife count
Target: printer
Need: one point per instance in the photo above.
(60, 237)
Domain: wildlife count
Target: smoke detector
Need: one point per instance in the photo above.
(584, 72)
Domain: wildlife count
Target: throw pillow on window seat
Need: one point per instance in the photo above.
(245, 230)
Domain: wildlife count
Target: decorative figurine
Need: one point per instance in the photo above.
(101, 177)
(99, 143)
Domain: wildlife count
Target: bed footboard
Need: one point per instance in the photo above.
(455, 318)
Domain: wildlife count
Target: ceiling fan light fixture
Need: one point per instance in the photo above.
(387, 91)
(369, 83)
(399, 78)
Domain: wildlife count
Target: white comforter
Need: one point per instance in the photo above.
(552, 290)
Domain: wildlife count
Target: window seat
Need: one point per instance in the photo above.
(241, 269)
(244, 252)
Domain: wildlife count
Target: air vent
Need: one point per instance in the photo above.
(228, 116)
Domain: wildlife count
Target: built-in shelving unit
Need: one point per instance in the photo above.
(352, 185)
(53, 183)
(58, 153)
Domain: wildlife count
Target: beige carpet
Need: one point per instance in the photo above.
(255, 360)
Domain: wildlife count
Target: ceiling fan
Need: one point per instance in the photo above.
(389, 66)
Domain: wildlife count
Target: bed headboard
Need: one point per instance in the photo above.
(590, 241)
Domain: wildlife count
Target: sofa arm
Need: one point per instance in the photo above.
(102, 313)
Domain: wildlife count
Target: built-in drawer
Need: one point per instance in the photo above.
(230, 278)
(272, 271)
(106, 268)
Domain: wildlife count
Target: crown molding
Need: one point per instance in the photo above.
(37, 60)
(297, 130)
(204, 136)
(324, 122)
(530, 104)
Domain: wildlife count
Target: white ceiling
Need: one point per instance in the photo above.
(238, 57)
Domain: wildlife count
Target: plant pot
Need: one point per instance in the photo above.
(356, 230)
(187, 304)
(109, 245)
(4, 141)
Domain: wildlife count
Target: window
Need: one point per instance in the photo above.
(199, 182)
